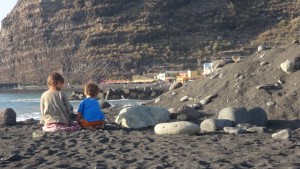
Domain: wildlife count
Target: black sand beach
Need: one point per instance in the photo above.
(127, 148)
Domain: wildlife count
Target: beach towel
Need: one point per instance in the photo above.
(53, 127)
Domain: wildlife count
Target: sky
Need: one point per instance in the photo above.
(5, 7)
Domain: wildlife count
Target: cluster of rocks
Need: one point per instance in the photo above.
(232, 120)
(237, 120)
(145, 93)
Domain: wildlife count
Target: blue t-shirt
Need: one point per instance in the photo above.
(90, 110)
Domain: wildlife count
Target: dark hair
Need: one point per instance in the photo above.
(91, 89)
(54, 79)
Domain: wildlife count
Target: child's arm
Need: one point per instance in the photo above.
(79, 117)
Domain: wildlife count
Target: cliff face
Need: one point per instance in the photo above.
(94, 40)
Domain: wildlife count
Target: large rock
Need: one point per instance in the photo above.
(235, 114)
(282, 135)
(175, 85)
(287, 66)
(217, 63)
(258, 116)
(181, 127)
(191, 113)
(210, 125)
(104, 104)
(234, 130)
(240, 115)
(8, 117)
(142, 116)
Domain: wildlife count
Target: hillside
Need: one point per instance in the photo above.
(256, 81)
(94, 40)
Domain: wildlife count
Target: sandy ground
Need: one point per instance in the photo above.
(126, 148)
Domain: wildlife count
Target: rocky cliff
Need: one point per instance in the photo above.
(94, 40)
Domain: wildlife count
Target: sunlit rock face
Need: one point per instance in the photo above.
(113, 39)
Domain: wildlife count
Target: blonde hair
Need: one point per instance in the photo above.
(91, 89)
(54, 79)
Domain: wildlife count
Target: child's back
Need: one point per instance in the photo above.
(55, 107)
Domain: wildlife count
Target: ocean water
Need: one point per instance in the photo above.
(26, 104)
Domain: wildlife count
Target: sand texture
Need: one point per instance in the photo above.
(128, 148)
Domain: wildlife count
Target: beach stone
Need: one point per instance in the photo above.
(280, 82)
(260, 48)
(257, 130)
(182, 117)
(282, 135)
(295, 42)
(264, 63)
(8, 117)
(270, 104)
(175, 85)
(182, 127)
(81, 96)
(173, 113)
(195, 106)
(157, 100)
(12, 157)
(204, 101)
(104, 104)
(30, 121)
(235, 114)
(184, 98)
(142, 116)
(241, 77)
(214, 76)
(217, 64)
(38, 134)
(268, 87)
(192, 114)
(244, 126)
(287, 66)
(258, 116)
(209, 97)
(234, 130)
(210, 125)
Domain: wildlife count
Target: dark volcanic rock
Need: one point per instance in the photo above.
(8, 117)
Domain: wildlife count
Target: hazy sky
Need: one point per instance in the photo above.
(5, 7)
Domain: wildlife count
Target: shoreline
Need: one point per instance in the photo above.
(81, 87)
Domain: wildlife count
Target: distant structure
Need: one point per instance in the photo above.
(9, 85)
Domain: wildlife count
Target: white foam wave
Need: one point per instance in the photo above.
(24, 100)
(34, 115)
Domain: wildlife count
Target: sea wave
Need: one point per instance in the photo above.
(21, 100)
(33, 115)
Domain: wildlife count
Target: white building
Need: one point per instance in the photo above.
(161, 76)
(207, 68)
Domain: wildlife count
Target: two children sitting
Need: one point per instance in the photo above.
(55, 107)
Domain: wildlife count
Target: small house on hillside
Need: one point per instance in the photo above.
(207, 68)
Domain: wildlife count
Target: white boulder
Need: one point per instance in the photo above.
(142, 116)
(282, 135)
(287, 66)
(210, 125)
(181, 127)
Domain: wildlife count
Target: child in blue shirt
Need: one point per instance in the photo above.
(89, 112)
